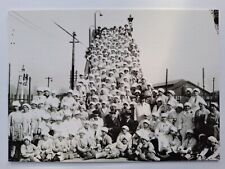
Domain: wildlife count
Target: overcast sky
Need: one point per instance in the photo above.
(182, 41)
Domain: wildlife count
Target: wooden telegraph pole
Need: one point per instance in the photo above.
(9, 92)
(74, 41)
(49, 79)
(166, 80)
(203, 82)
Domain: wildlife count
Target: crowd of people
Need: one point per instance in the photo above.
(113, 112)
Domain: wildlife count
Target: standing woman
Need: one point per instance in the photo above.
(186, 120)
(213, 120)
(15, 131)
(27, 120)
(200, 118)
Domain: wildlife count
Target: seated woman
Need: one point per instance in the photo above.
(124, 146)
(145, 150)
(84, 145)
(211, 152)
(60, 147)
(29, 152)
(125, 133)
(72, 144)
(104, 142)
(170, 152)
(186, 149)
(45, 147)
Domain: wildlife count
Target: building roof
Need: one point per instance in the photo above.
(174, 84)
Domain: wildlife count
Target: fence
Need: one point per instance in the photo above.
(21, 98)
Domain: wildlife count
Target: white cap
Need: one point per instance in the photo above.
(215, 104)
(126, 128)
(164, 115)
(70, 91)
(189, 89)
(161, 90)
(171, 92)
(105, 129)
(159, 99)
(196, 89)
(190, 131)
(40, 89)
(173, 128)
(145, 137)
(26, 105)
(212, 139)
(180, 105)
(155, 113)
(146, 121)
(82, 131)
(137, 91)
(16, 103)
(27, 138)
(187, 104)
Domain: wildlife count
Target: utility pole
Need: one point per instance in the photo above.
(29, 94)
(213, 88)
(95, 20)
(50, 79)
(74, 41)
(9, 93)
(203, 81)
(166, 80)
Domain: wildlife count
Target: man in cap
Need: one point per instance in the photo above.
(128, 121)
(112, 122)
(96, 117)
(15, 119)
(142, 109)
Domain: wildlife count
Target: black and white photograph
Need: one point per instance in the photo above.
(101, 85)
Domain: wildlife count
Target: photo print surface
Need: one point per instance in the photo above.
(113, 85)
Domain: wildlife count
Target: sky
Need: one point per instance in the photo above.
(184, 41)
